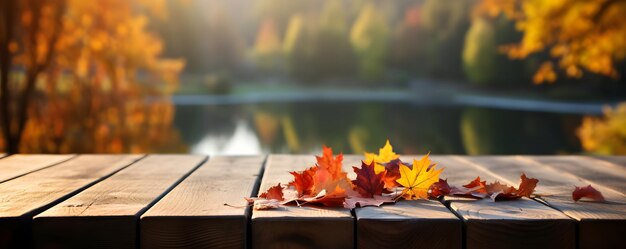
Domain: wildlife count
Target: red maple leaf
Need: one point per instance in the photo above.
(439, 188)
(303, 181)
(587, 192)
(367, 182)
(273, 193)
(526, 186)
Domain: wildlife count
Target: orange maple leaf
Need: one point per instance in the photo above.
(303, 181)
(273, 193)
(329, 173)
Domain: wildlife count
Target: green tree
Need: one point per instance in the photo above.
(445, 24)
(369, 37)
(482, 62)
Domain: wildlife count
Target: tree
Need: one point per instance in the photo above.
(578, 35)
(482, 63)
(445, 24)
(369, 38)
(268, 47)
(605, 135)
(84, 72)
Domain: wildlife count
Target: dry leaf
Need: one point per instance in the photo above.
(367, 182)
(273, 193)
(588, 192)
(417, 181)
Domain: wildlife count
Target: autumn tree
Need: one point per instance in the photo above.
(86, 77)
(578, 36)
(268, 47)
(369, 37)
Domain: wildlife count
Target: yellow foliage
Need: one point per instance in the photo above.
(93, 93)
(417, 180)
(580, 35)
(605, 135)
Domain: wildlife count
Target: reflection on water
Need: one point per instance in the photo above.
(354, 127)
(243, 141)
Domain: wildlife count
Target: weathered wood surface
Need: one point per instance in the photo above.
(23, 197)
(18, 165)
(522, 223)
(397, 225)
(600, 225)
(298, 227)
(106, 215)
(616, 160)
(92, 201)
(193, 214)
(589, 169)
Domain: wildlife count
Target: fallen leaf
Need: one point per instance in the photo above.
(333, 199)
(417, 181)
(329, 173)
(264, 204)
(303, 181)
(377, 200)
(385, 155)
(439, 189)
(273, 193)
(392, 169)
(526, 186)
(588, 192)
(367, 182)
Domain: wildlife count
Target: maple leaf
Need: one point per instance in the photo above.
(502, 191)
(273, 193)
(329, 173)
(439, 188)
(417, 181)
(526, 186)
(303, 181)
(587, 192)
(336, 198)
(392, 169)
(367, 182)
(385, 155)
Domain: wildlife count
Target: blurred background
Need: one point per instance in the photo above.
(285, 76)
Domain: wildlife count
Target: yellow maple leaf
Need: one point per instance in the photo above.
(385, 155)
(417, 181)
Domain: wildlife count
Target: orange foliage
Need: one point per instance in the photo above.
(606, 135)
(579, 35)
(105, 87)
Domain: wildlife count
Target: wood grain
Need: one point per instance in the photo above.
(23, 197)
(594, 171)
(298, 227)
(615, 160)
(193, 214)
(107, 214)
(522, 223)
(396, 225)
(18, 165)
(600, 225)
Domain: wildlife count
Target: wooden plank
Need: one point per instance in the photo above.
(595, 171)
(396, 225)
(298, 227)
(600, 225)
(193, 214)
(23, 197)
(615, 160)
(19, 165)
(107, 214)
(522, 223)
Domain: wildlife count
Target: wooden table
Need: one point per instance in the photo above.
(176, 201)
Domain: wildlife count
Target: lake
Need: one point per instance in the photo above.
(358, 126)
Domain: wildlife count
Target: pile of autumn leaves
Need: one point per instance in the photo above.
(381, 178)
